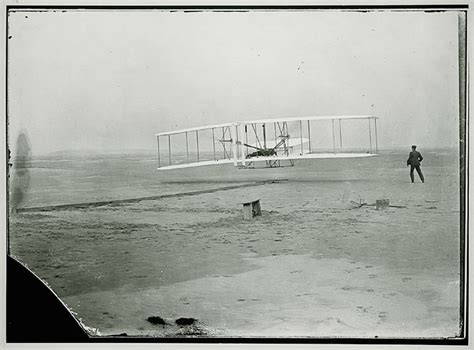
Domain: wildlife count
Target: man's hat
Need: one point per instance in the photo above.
(413, 146)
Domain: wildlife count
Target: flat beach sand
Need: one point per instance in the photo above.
(313, 265)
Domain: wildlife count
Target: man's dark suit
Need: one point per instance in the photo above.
(414, 160)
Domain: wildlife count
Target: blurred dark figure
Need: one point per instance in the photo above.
(19, 171)
(414, 161)
(33, 312)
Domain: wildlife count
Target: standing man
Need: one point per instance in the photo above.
(414, 160)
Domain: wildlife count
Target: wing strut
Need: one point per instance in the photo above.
(197, 145)
(214, 143)
(309, 137)
(340, 133)
(376, 139)
(234, 144)
(159, 158)
(275, 129)
(333, 137)
(169, 147)
(264, 136)
(301, 136)
(187, 148)
(246, 141)
(370, 137)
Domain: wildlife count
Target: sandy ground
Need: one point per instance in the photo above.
(311, 265)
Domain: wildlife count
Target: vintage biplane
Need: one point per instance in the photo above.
(269, 141)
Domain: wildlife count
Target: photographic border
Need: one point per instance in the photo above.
(462, 10)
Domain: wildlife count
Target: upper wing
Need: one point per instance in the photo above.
(306, 118)
(199, 128)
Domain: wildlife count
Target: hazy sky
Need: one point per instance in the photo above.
(112, 79)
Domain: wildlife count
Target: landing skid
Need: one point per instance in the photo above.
(268, 164)
(277, 164)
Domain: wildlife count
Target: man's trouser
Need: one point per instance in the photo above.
(418, 170)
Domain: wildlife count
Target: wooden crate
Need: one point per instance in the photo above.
(252, 209)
